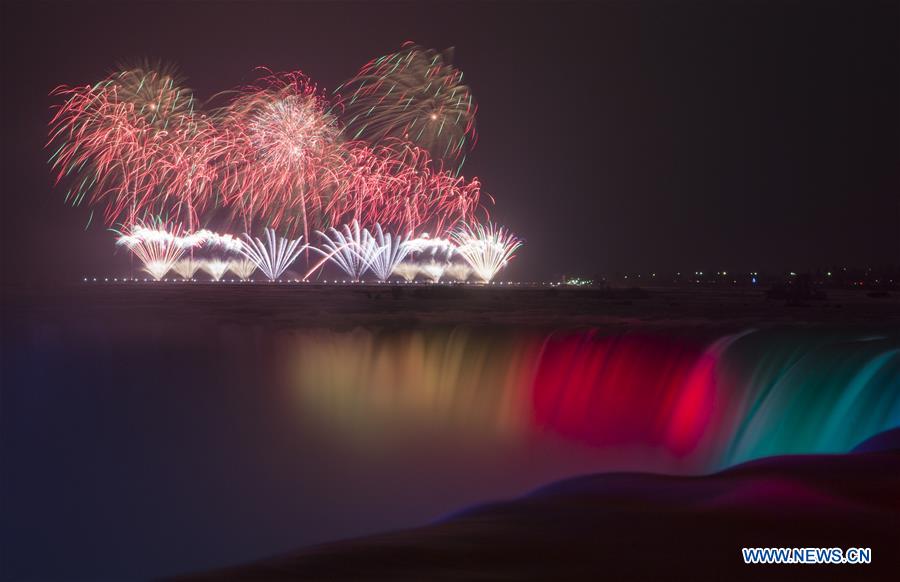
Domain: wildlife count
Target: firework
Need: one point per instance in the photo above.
(285, 164)
(272, 257)
(395, 185)
(416, 95)
(406, 270)
(187, 267)
(387, 252)
(433, 270)
(155, 246)
(487, 249)
(398, 186)
(351, 248)
(432, 247)
(156, 93)
(282, 152)
(215, 268)
(272, 155)
(135, 144)
(242, 268)
(458, 271)
(213, 240)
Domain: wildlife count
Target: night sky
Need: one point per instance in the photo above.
(614, 135)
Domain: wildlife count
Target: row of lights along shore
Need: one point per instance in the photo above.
(323, 282)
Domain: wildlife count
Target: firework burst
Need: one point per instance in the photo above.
(157, 247)
(216, 241)
(387, 252)
(351, 248)
(187, 267)
(458, 271)
(443, 248)
(275, 155)
(398, 186)
(282, 159)
(406, 270)
(273, 256)
(487, 249)
(215, 268)
(433, 270)
(287, 165)
(134, 144)
(416, 95)
(242, 268)
(157, 94)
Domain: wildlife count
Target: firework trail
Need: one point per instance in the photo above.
(242, 268)
(458, 271)
(487, 249)
(351, 248)
(387, 252)
(407, 270)
(273, 155)
(416, 95)
(433, 270)
(282, 161)
(398, 186)
(287, 165)
(134, 144)
(272, 257)
(215, 241)
(187, 268)
(434, 247)
(156, 247)
(215, 268)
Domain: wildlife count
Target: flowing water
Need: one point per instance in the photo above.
(152, 449)
(647, 401)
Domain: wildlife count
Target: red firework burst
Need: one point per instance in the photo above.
(134, 144)
(274, 155)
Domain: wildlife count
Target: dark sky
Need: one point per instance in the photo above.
(614, 135)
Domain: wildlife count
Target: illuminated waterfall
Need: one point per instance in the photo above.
(705, 401)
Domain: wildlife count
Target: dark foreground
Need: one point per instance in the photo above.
(631, 526)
